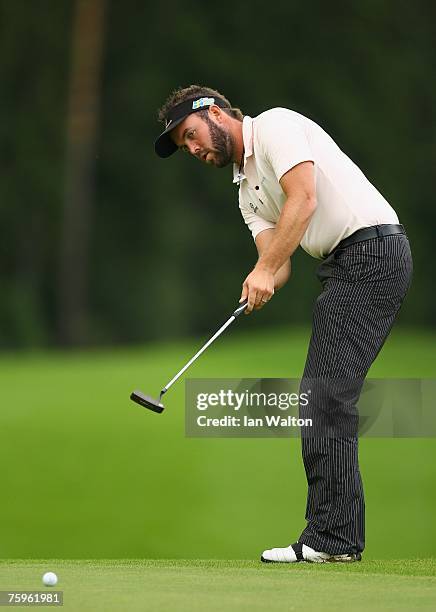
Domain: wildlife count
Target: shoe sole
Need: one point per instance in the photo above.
(345, 559)
(262, 558)
(334, 559)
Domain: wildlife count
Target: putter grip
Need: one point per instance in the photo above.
(240, 309)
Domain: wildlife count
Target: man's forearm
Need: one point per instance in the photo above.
(291, 226)
(282, 275)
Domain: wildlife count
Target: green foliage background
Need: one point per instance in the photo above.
(166, 237)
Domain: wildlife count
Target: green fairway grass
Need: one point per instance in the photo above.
(184, 585)
(86, 473)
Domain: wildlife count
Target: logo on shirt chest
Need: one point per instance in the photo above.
(253, 207)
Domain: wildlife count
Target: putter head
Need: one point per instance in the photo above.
(146, 401)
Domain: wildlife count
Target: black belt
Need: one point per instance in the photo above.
(367, 233)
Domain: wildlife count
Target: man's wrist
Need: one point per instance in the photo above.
(265, 266)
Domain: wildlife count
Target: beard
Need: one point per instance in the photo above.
(222, 143)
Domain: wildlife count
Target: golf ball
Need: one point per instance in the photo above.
(50, 579)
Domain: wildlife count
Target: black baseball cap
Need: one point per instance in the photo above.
(164, 146)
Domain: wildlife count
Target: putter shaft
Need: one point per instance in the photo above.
(156, 405)
(235, 314)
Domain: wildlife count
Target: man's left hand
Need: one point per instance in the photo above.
(258, 288)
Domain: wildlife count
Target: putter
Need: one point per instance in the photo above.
(156, 405)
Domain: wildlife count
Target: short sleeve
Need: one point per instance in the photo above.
(283, 141)
(256, 224)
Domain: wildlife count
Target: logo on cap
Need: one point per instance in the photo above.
(202, 102)
(168, 123)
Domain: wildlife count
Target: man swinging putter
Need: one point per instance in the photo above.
(296, 187)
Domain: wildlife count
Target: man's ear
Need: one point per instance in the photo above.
(216, 113)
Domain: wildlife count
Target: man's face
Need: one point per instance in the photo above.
(206, 138)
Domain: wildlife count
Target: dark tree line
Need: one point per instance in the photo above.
(102, 242)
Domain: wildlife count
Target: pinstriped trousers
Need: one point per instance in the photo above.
(364, 285)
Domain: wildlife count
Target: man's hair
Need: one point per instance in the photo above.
(195, 91)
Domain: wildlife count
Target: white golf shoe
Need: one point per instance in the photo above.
(300, 552)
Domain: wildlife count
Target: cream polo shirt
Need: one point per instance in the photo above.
(276, 141)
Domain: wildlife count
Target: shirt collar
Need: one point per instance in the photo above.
(247, 138)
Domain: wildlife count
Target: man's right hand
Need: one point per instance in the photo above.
(257, 289)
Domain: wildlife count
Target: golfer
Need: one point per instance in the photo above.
(296, 187)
